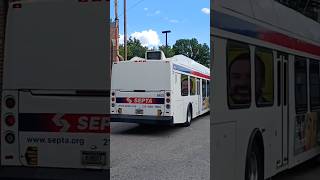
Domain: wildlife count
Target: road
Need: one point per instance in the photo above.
(157, 153)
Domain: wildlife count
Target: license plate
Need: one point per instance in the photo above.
(94, 158)
(139, 111)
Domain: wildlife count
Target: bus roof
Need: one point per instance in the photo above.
(177, 59)
(275, 14)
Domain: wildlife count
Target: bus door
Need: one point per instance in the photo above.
(282, 103)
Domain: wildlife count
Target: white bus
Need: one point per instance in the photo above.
(159, 90)
(54, 57)
(266, 115)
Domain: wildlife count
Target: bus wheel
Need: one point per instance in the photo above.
(254, 167)
(188, 118)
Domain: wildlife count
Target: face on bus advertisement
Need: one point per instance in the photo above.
(240, 79)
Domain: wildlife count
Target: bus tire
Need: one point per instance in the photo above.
(254, 163)
(188, 117)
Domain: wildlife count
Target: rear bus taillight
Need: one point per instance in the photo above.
(10, 120)
(168, 100)
(10, 103)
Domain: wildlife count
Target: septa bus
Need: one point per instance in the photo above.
(266, 115)
(54, 104)
(159, 90)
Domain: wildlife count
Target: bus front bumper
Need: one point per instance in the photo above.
(159, 120)
(37, 173)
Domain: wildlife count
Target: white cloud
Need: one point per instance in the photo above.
(121, 39)
(173, 21)
(149, 38)
(206, 10)
(146, 9)
(157, 12)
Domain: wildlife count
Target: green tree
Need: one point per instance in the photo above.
(192, 49)
(134, 48)
(167, 50)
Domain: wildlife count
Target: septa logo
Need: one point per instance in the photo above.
(136, 100)
(129, 100)
(58, 121)
(93, 124)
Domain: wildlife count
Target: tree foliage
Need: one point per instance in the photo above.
(167, 50)
(192, 49)
(188, 47)
(134, 48)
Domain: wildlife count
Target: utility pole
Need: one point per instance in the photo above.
(166, 32)
(125, 30)
(116, 38)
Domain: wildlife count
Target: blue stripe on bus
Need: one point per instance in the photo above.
(238, 26)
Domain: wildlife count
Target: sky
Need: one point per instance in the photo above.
(146, 19)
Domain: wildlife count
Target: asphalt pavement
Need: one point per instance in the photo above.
(159, 152)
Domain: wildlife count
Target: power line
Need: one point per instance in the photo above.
(134, 5)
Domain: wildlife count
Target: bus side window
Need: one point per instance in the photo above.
(208, 88)
(184, 85)
(192, 86)
(204, 89)
(314, 80)
(264, 77)
(239, 75)
(198, 86)
(300, 67)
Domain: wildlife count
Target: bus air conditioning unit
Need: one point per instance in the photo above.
(155, 55)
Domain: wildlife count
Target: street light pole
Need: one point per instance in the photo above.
(166, 32)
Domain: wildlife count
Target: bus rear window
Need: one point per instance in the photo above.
(154, 55)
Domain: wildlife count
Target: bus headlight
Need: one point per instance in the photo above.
(120, 110)
(168, 106)
(9, 138)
